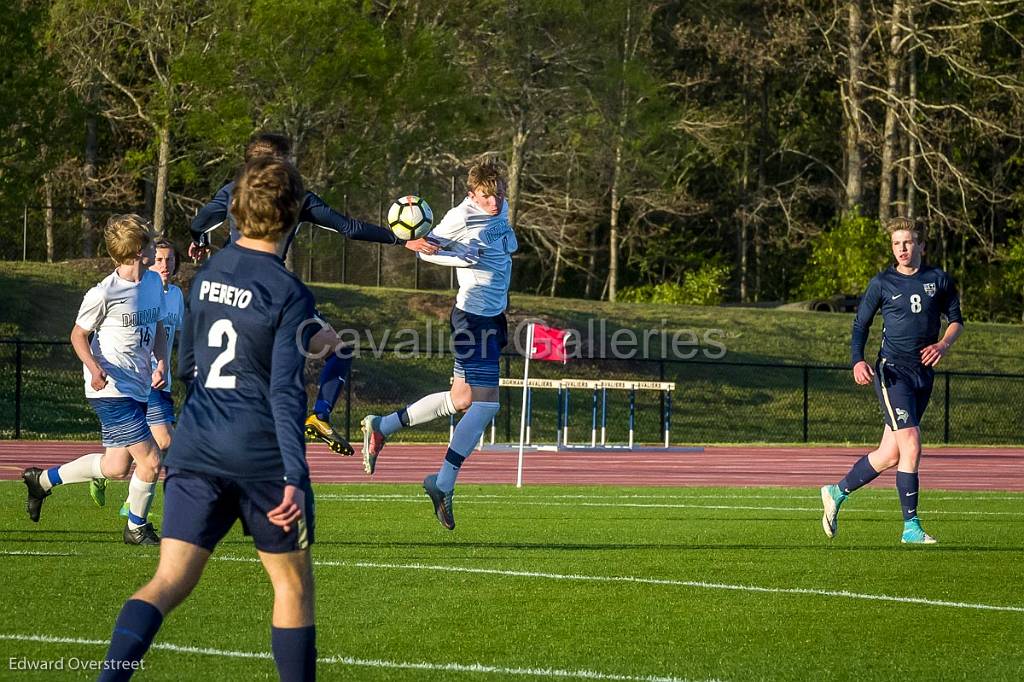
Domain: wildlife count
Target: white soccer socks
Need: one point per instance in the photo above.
(140, 497)
(425, 409)
(81, 470)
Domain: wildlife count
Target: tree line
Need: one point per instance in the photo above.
(690, 152)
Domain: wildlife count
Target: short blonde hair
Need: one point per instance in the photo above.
(485, 176)
(126, 235)
(901, 223)
(267, 198)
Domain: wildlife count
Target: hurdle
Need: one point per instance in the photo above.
(598, 398)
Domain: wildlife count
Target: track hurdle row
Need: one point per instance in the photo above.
(598, 410)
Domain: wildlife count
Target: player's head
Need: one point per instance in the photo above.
(267, 198)
(129, 237)
(486, 186)
(907, 241)
(268, 144)
(165, 259)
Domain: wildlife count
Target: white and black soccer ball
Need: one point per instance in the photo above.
(410, 217)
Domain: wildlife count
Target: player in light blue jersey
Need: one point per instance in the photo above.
(118, 333)
(476, 238)
(160, 407)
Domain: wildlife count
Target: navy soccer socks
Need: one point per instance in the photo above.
(860, 474)
(294, 653)
(907, 485)
(134, 630)
(332, 379)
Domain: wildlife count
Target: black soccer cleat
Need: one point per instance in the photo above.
(143, 535)
(442, 502)
(36, 494)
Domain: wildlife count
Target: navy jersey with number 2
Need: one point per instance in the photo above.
(242, 348)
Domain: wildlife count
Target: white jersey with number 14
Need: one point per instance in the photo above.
(122, 316)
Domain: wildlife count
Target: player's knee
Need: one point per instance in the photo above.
(489, 407)
(163, 440)
(462, 400)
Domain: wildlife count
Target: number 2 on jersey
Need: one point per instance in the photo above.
(222, 334)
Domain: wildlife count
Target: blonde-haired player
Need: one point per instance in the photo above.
(117, 333)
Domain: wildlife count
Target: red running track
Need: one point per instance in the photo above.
(941, 468)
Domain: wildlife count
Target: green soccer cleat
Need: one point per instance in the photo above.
(913, 534)
(442, 502)
(98, 491)
(831, 498)
(125, 508)
(373, 442)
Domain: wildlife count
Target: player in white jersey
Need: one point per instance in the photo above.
(475, 237)
(118, 331)
(160, 407)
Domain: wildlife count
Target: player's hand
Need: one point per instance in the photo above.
(862, 373)
(930, 355)
(159, 380)
(99, 379)
(197, 252)
(422, 246)
(290, 509)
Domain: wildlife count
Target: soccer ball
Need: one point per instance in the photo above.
(410, 217)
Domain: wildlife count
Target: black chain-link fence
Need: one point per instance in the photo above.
(41, 396)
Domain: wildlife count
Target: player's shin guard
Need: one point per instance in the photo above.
(464, 440)
(294, 653)
(907, 486)
(134, 630)
(860, 474)
(140, 497)
(332, 379)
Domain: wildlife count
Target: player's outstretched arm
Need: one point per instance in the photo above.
(315, 210)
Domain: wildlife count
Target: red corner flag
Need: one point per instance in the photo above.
(549, 344)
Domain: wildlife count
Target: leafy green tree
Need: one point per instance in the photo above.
(845, 258)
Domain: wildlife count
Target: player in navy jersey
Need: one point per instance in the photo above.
(326, 343)
(238, 452)
(912, 297)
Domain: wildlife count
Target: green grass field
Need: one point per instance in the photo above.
(557, 582)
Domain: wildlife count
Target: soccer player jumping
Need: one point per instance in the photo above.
(238, 451)
(475, 238)
(912, 297)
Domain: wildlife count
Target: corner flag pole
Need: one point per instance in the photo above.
(522, 415)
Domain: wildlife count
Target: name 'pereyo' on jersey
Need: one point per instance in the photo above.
(215, 292)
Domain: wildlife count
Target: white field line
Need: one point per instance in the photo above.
(468, 499)
(576, 577)
(368, 662)
(17, 552)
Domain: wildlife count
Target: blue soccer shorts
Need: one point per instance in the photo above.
(201, 508)
(903, 393)
(122, 421)
(477, 341)
(160, 408)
